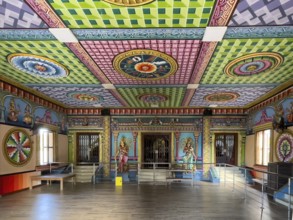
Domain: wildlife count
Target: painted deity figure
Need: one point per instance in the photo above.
(189, 155)
(13, 111)
(123, 155)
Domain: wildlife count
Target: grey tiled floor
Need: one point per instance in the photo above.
(86, 201)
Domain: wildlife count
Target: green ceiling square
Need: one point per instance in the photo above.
(171, 96)
(146, 11)
(184, 10)
(52, 50)
(148, 21)
(191, 10)
(161, 10)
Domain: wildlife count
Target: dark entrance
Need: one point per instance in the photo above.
(156, 149)
(87, 147)
(226, 146)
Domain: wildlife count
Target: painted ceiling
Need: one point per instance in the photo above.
(148, 53)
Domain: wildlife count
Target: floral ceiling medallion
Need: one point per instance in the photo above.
(153, 98)
(37, 65)
(221, 97)
(145, 64)
(253, 64)
(129, 2)
(85, 97)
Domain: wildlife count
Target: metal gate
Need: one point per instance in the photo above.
(226, 146)
(87, 147)
(156, 149)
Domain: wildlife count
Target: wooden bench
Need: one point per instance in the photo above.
(53, 177)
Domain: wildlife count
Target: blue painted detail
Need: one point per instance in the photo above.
(258, 32)
(249, 176)
(214, 176)
(26, 35)
(125, 177)
(280, 194)
(139, 34)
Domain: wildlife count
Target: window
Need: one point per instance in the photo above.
(46, 147)
(263, 145)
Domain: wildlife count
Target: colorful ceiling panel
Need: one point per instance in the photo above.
(235, 96)
(148, 53)
(79, 96)
(159, 96)
(255, 50)
(159, 14)
(184, 52)
(17, 14)
(261, 13)
(55, 53)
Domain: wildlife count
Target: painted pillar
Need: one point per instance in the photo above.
(242, 150)
(115, 134)
(107, 145)
(2, 111)
(206, 145)
(177, 136)
(71, 148)
(134, 143)
(196, 134)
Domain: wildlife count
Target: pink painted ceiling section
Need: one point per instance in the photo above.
(185, 52)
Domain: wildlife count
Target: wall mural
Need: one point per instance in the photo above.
(284, 145)
(189, 150)
(124, 152)
(17, 112)
(46, 116)
(280, 111)
(17, 147)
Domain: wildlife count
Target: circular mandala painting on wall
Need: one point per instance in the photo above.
(285, 147)
(17, 147)
(152, 98)
(129, 2)
(221, 97)
(37, 66)
(145, 64)
(253, 64)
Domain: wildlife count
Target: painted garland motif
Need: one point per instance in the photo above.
(38, 66)
(253, 64)
(17, 147)
(129, 2)
(145, 64)
(221, 97)
(85, 97)
(153, 98)
(285, 147)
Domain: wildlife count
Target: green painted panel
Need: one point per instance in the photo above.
(78, 73)
(229, 50)
(170, 13)
(174, 96)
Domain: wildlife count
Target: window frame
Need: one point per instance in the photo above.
(263, 149)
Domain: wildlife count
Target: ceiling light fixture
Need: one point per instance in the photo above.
(63, 35)
(214, 34)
